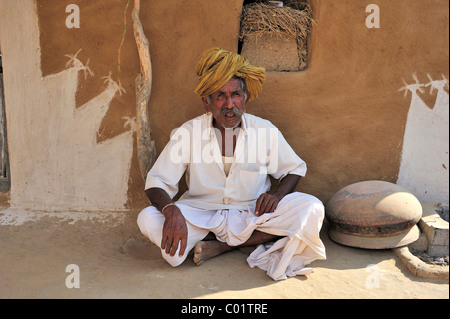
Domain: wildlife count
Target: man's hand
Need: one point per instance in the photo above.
(174, 231)
(266, 203)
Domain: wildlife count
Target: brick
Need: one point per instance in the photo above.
(436, 230)
(275, 53)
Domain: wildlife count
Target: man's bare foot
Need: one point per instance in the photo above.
(205, 250)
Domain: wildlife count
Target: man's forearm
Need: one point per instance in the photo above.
(287, 185)
(158, 197)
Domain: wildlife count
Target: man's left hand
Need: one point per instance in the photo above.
(266, 203)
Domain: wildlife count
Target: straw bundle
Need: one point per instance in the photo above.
(294, 18)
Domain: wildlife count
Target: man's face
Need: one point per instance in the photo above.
(227, 104)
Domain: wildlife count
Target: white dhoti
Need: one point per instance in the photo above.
(298, 219)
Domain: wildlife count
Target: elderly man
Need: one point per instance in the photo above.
(227, 156)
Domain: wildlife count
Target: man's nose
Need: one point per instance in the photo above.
(229, 102)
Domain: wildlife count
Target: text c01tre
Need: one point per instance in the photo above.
(247, 308)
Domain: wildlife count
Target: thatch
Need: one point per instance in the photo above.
(294, 18)
(298, 4)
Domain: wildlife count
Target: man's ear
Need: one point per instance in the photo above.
(248, 97)
(206, 104)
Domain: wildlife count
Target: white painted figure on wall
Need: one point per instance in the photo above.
(425, 155)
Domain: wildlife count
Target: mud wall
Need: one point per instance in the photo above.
(345, 115)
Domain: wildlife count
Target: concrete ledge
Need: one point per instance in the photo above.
(419, 268)
(433, 240)
(435, 229)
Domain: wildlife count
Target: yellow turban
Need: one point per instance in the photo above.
(218, 66)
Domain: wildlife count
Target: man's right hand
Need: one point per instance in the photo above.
(174, 231)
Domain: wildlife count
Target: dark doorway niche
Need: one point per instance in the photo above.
(275, 34)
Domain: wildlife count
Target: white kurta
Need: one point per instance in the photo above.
(224, 204)
(193, 149)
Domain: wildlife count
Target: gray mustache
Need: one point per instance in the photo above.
(234, 110)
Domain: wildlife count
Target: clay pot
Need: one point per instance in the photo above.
(374, 214)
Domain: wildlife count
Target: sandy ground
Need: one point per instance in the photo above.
(116, 261)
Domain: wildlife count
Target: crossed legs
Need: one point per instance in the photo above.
(203, 243)
(297, 213)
